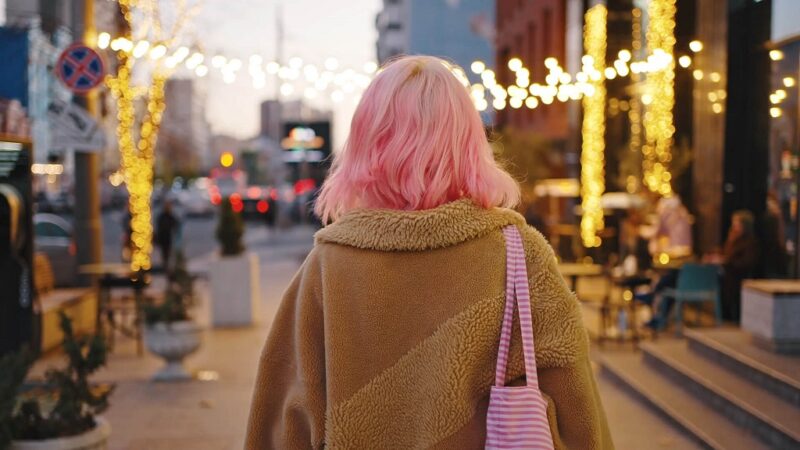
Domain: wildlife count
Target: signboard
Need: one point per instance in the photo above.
(73, 128)
(308, 136)
(80, 68)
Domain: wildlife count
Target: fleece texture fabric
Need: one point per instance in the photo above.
(387, 337)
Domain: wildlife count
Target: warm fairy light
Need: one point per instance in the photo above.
(775, 112)
(477, 67)
(658, 120)
(685, 61)
(775, 55)
(634, 113)
(514, 64)
(593, 129)
(624, 55)
(140, 49)
(695, 45)
(103, 40)
(158, 51)
(789, 82)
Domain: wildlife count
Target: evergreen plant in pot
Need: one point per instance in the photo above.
(234, 274)
(62, 413)
(169, 331)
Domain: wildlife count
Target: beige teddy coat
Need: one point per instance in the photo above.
(387, 337)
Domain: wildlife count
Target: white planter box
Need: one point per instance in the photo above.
(94, 439)
(771, 313)
(235, 293)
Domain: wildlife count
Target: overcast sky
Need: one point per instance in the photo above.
(314, 31)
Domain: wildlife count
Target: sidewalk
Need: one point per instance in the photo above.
(201, 415)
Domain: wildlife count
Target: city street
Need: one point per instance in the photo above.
(646, 152)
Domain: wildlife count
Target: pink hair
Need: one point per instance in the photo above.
(416, 142)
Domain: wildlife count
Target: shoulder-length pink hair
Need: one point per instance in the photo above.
(416, 142)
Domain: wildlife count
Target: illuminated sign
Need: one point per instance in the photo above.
(302, 138)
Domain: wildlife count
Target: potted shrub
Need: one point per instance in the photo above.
(61, 413)
(234, 275)
(169, 331)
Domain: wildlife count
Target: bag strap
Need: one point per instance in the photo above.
(517, 292)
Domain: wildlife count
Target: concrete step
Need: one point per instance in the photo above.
(699, 419)
(766, 415)
(733, 348)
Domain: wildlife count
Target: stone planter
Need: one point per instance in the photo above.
(173, 342)
(771, 313)
(235, 292)
(94, 439)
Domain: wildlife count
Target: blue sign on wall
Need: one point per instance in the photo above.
(14, 69)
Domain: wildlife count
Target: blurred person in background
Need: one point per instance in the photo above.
(167, 226)
(739, 259)
(672, 231)
(774, 258)
(388, 336)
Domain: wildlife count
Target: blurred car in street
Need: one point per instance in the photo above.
(260, 204)
(53, 236)
(195, 201)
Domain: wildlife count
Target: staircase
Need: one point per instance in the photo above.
(717, 386)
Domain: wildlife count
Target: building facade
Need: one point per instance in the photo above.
(458, 30)
(532, 32)
(183, 142)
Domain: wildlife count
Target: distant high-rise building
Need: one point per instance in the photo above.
(183, 142)
(458, 30)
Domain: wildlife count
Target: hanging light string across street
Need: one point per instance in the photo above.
(329, 77)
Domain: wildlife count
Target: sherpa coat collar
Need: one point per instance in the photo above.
(392, 230)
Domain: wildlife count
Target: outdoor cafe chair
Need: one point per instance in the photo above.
(697, 283)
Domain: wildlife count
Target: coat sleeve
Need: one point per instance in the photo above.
(288, 408)
(562, 353)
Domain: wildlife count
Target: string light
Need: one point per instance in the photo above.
(593, 130)
(634, 114)
(658, 119)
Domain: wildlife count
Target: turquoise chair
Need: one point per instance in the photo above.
(697, 283)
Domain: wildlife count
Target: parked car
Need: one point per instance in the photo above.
(260, 203)
(53, 236)
(194, 201)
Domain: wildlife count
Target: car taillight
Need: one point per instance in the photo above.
(237, 206)
(274, 194)
(262, 206)
(73, 249)
(216, 199)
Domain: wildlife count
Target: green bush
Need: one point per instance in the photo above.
(178, 296)
(71, 401)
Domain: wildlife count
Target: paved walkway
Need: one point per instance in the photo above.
(212, 415)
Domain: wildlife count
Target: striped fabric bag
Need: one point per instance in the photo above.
(517, 416)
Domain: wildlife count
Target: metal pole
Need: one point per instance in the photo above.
(88, 226)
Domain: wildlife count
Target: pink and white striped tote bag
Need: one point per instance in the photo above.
(517, 416)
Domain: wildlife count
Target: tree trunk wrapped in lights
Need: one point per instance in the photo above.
(660, 97)
(137, 146)
(594, 127)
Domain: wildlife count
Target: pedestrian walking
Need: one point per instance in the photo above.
(396, 332)
(166, 230)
